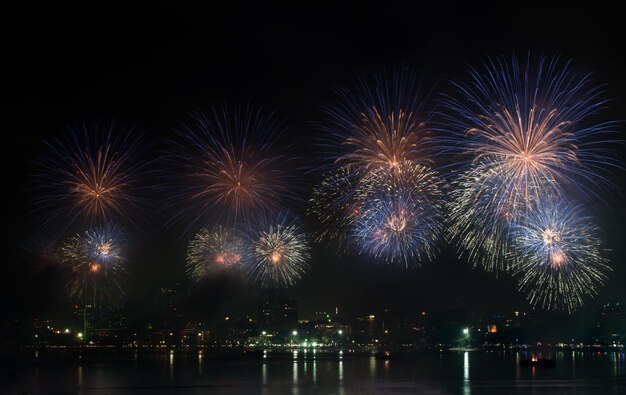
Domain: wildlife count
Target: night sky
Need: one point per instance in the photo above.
(148, 66)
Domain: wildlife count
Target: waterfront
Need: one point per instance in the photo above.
(192, 372)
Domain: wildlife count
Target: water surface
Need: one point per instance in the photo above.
(192, 372)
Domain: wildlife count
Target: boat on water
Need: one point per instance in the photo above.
(384, 355)
(538, 362)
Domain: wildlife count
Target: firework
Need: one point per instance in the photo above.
(335, 203)
(381, 123)
(401, 216)
(384, 156)
(278, 251)
(562, 256)
(95, 264)
(480, 219)
(226, 166)
(212, 250)
(90, 177)
(40, 252)
(528, 131)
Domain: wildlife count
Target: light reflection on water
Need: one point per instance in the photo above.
(80, 376)
(468, 373)
(171, 363)
(264, 374)
(618, 361)
(340, 370)
(295, 372)
(295, 377)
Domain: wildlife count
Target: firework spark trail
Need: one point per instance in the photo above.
(563, 257)
(402, 214)
(383, 123)
(336, 204)
(482, 225)
(278, 251)
(95, 265)
(528, 131)
(227, 166)
(41, 252)
(380, 142)
(90, 177)
(212, 250)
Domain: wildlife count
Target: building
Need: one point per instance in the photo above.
(278, 313)
(367, 329)
(610, 324)
(102, 323)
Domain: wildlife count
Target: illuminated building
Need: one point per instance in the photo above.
(278, 313)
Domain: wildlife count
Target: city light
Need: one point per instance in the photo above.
(259, 176)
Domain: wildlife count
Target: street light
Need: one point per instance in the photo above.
(340, 332)
(466, 331)
(294, 333)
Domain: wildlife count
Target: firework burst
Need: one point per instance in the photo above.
(402, 214)
(562, 256)
(41, 252)
(90, 177)
(481, 226)
(336, 204)
(227, 167)
(528, 131)
(384, 155)
(278, 251)
(94, 264)
(213, 250)
(381, 124)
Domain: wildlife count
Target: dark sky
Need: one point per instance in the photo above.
(149, 65)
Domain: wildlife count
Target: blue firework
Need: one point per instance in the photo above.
(562, 255)
(523, 130)
(401, 221)
(95, 264)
